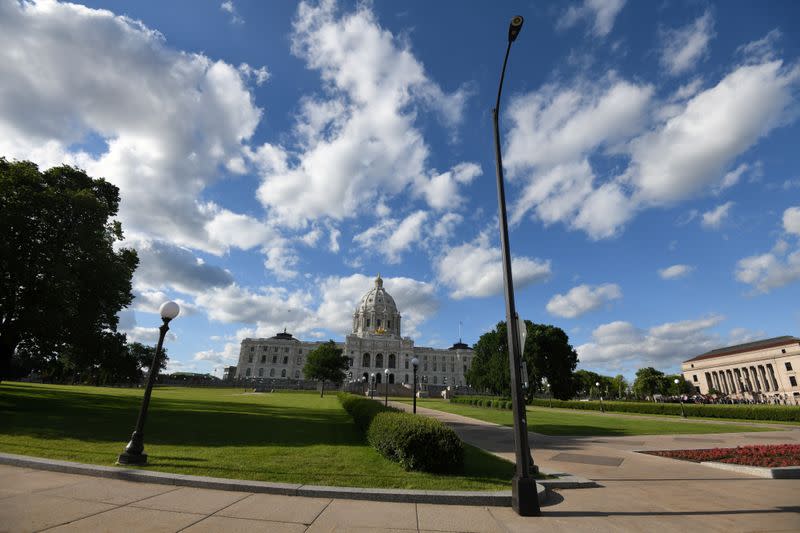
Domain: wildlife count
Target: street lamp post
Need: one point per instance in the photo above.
(415, 364)
(134, 451)
(600, 392)
(549, 396)
(680, 398)
(363, 381)
(386, 402)
(524, 499)
(372, 386)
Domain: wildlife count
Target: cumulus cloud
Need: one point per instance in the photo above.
(713, 219)
(163, 265)
(684, 47)
(358, 141)
(230, 8)
(391, 237)
(185, 120)
(769, 271)
(600, 13)
(791, 220)
(622, 346)
(474, 269)
(583, 299)
(675, 271)
(441, 191)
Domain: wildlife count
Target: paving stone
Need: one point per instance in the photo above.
(108, 490)
(131, 520)
(19, 480)
(456, 518)
(277, 508)
(587, 459)
(359, 515)
(25, 512)
(215, 524)
(189, 500)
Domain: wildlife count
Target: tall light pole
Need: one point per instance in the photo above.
(680, 397)
(415, 364)
(600, 393)
(524, 499)
(134, 451)
(386, 402)
(372, 386)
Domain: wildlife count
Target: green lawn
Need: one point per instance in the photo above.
(282, 437)
(565, 422)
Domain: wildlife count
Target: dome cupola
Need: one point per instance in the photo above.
(376, 313)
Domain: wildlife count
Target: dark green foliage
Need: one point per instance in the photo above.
(547, 353)
(416, 442)
(61, 281)
(363, 410)
(326, 363)
(650, 381)
(784, 413)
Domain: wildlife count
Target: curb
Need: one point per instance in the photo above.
(780, 472)
(498, 498)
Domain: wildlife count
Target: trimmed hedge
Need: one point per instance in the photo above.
(416, 442)
(477, 401)
(782, 413)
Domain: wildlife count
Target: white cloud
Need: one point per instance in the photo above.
(360, 142)
(791, 220)
(475, 269)
(583, 299)
(391, 238)
(732, 178)
(761, 50)
(446, 225)
(230, 8)
(713, 219)
(621, 345)
(684, 47)
(769, 271)
(441, 191)
(229, 355)
(163, 265)
(600, 12)
(675, 271)
(184, 117)
(148, 336)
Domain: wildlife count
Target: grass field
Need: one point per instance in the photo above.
(282, 437)
(577, 423)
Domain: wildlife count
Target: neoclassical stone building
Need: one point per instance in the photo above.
(374, 345)
(762, 371)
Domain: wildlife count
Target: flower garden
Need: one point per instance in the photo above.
(767, 455)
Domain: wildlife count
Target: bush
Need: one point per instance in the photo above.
(496, 403)
(363, 410)
(783, 413)
(416, 442)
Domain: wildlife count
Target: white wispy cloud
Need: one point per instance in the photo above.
(600, 13)
(713, 219)
(675, 271)
(583, 299)
(684, 47)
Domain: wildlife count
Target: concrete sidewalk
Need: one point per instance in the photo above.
(636, 493)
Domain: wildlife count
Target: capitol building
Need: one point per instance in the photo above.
(374, 346)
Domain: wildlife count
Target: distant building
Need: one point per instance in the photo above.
(761, 371)
(229, 373)
(374, 345)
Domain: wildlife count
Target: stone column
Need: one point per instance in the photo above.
(772, 377)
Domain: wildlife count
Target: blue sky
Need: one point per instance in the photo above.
(273, 157)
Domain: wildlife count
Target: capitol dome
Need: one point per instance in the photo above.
(376, 313)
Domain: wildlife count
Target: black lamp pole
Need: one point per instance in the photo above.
(134, 451)
(386, 401)
(415, 364)
(524, 499)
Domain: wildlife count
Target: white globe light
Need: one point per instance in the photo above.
(386, 371)
(169, 310)
(415, 361)
(676, 381)
(597, 384)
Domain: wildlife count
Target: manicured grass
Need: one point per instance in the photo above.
(282, 437)
(563, 422)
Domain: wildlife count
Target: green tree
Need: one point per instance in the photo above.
(326, 363)
(682, 387)
(618, 386)
(649, 382)
(547, 354)
(62, 283)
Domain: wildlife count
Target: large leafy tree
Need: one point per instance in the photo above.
(62, 283)
(548, 355)
(326, 363)
(649, 382)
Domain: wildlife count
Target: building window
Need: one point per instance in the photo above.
(252, 349)
(406, 381)
(296, 374)
(392, 361)
(388, 324)
(368, 322)
(299, 360)
(272, 372)
(434, 380)
(263, 348)
(285, 360)
(694, 378)
(247, 373)
(261, 372)
(783, 350)
(350, 362)
(283, 373)
(406, 363)
(365, 360)
(263, 358)
(379, 361)
(275, 349)
(788, 366)
(286, 349)
(300, 351)
(274, 359)
(250, 358)
(793, 381)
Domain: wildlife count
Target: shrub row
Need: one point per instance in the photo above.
(416, 442)
(783, 413)
(496, 403)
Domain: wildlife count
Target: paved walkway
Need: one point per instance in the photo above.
(636, 493)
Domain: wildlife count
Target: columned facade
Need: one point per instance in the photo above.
(762, 371)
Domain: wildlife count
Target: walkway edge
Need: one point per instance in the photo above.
(498, 498)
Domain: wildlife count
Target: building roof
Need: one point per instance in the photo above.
(746, 347)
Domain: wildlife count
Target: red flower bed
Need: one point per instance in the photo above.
(769, 455)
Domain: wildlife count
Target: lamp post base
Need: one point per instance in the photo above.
(524, 498)
(126, 458)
